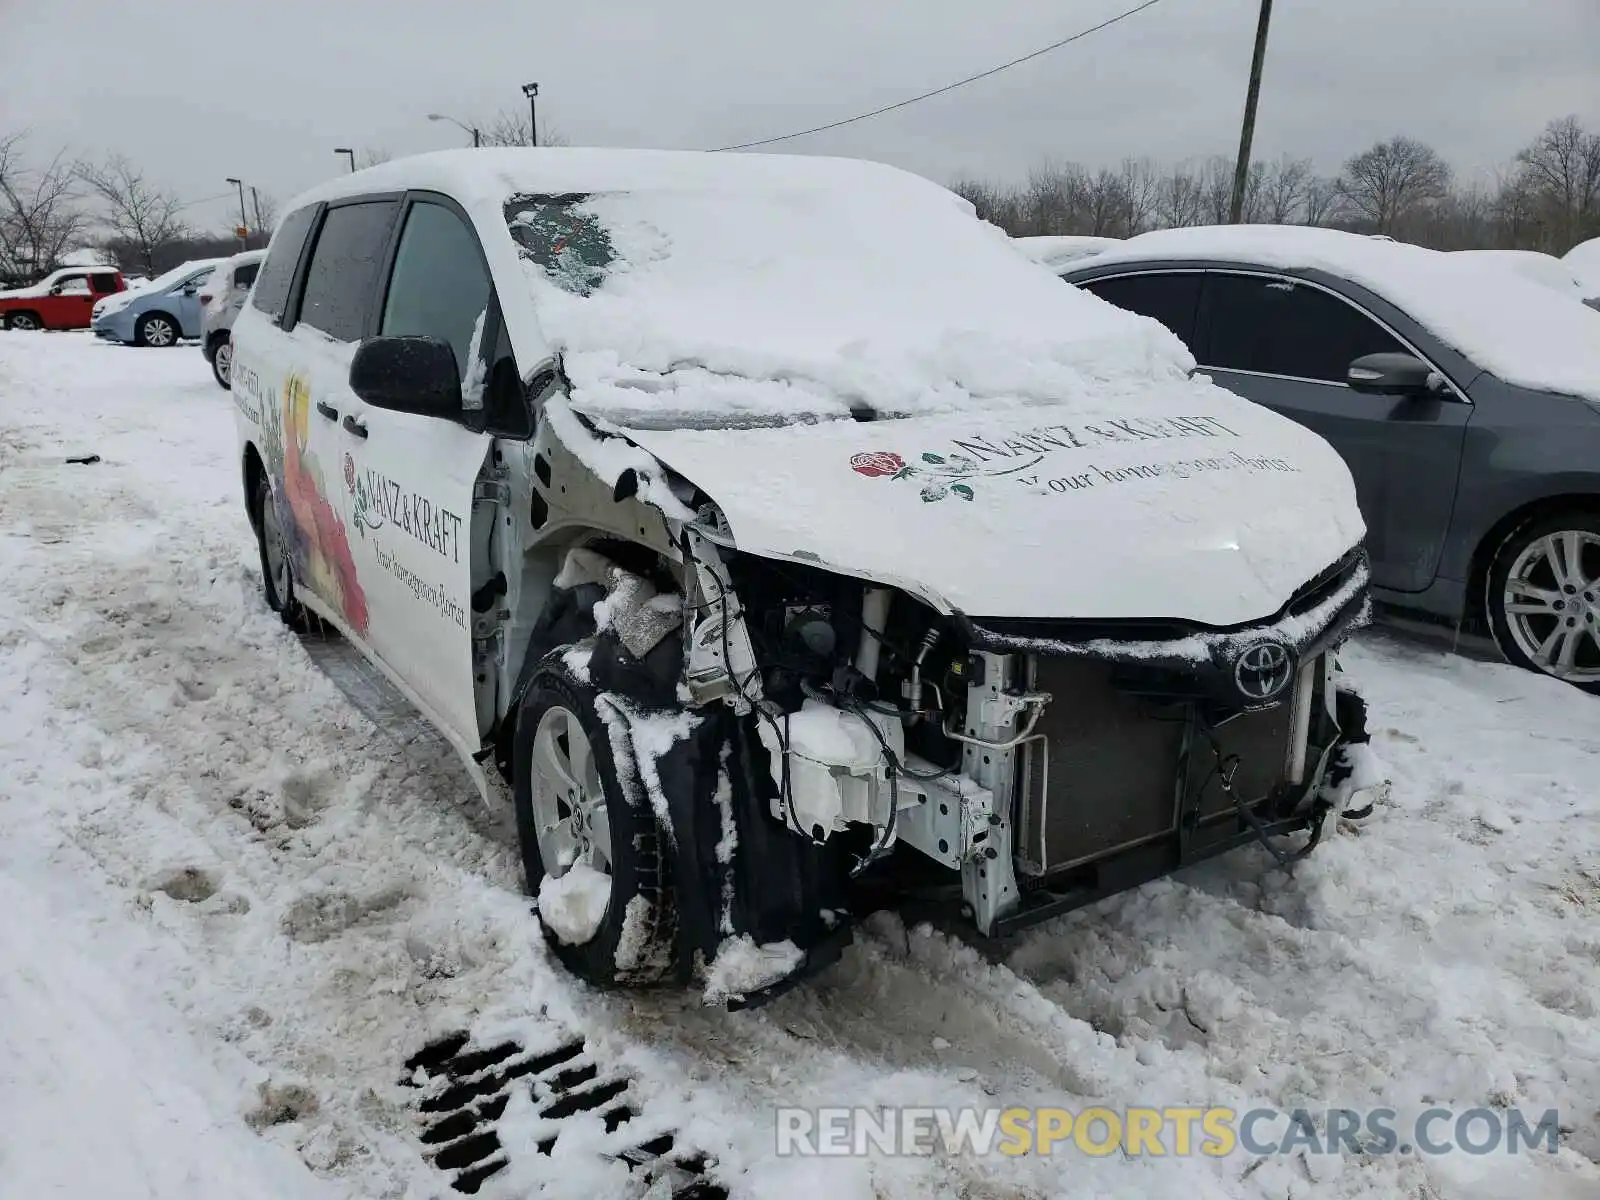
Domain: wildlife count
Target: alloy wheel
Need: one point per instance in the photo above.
(158, 332)
(23, 321)
(1551, 601)
(277, 550)
(224, 362)
(571, 820)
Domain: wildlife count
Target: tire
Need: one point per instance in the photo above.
(222, 363)
(636, 857)
(24, 322)
(1544, 611)
(156, 330)
(277, 569)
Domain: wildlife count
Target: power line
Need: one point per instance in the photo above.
(207, 199)
(949, 87)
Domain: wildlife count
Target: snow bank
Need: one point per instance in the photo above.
(1513, 328)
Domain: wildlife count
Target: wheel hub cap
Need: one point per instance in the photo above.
(1552, 604)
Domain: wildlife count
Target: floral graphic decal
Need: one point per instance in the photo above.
(349, 473)
(942, 474)
(318, 545)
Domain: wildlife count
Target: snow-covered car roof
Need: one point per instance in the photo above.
(716, 289)
(1057, 250)
(1584, 261)
(1544, 269)
(1522, 332)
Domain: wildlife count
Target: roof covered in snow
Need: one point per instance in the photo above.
(1057, 250)
(1520, 331)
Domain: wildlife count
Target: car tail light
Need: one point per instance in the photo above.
(205, 297)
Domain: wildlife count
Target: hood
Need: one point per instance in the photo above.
(1203, 508)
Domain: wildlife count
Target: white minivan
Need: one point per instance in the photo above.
(782, 544)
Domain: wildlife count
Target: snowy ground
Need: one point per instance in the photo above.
(233, 907)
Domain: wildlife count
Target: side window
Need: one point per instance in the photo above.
(277, 273)
(345, 262)
(245, 275)
(440, 285)
(104, 284)
(1171, 298)
(1279, 327)
(74, 285)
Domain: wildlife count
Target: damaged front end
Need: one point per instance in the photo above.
(852, 744)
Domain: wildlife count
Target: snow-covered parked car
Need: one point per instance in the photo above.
(221, 298)
(1583, 260)
(757, 577)
(161, 312)
(1057, 250)
(1465, 398)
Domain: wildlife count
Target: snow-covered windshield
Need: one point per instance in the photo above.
(712, 306)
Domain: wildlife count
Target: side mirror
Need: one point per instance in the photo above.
(408, 374)
(57, 288)
(1392, 375)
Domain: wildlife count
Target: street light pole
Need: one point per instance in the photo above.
(477, 137)
(244, 221)
(531, 91)
(351, 154)
(1241, 169)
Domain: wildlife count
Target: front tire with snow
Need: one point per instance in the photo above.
(222, 363)
(592, 848)
(277, 571)
(157, 330)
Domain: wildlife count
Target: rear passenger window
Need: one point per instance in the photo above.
(345, 262)
(244, 276)
(1171, 298)
(277, 273)
(104, 283)
(1278, 327)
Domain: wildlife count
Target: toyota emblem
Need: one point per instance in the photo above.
(1262, 671)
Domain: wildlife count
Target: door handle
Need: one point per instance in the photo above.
(327, 410)
(356, 427)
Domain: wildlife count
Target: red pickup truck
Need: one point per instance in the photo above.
(63, 299)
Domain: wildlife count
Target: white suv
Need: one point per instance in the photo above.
(778, 540)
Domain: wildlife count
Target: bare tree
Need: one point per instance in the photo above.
(40, 216)
(1562, 168)
(1284, 186)
(1389, 182)
(1141, 187)
(140, 215)
(1178, 198)
(511, 128)
(1321, 203)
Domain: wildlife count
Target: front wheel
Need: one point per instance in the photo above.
(23, 321)
(592, 849)
(277, 572)
(222, 364)
(156, 329)
(1543, 597)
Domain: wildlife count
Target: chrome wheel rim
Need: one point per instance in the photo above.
(23, 323)
(1552, 604)
(277, 552)
(224, 361)
(569, 805)
(158, 332)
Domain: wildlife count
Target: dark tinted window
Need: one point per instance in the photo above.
(344, 269)
(277, 273)
(104, 283)
(439, 285)
(1171, 299)
(1282, 328)
(245, 275)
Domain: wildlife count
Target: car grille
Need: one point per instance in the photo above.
(1115, 761)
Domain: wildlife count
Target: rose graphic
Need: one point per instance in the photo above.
(350, 473)
(876, 463)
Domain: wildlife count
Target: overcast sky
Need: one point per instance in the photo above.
(265, 89)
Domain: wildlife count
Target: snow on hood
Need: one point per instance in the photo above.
(1520, 331)
(1584, 260)
(1192, 504)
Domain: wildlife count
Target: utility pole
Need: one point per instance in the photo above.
(255, 199)
(244, 221)
(1241, 169)
(531, 91)
(351, 154)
